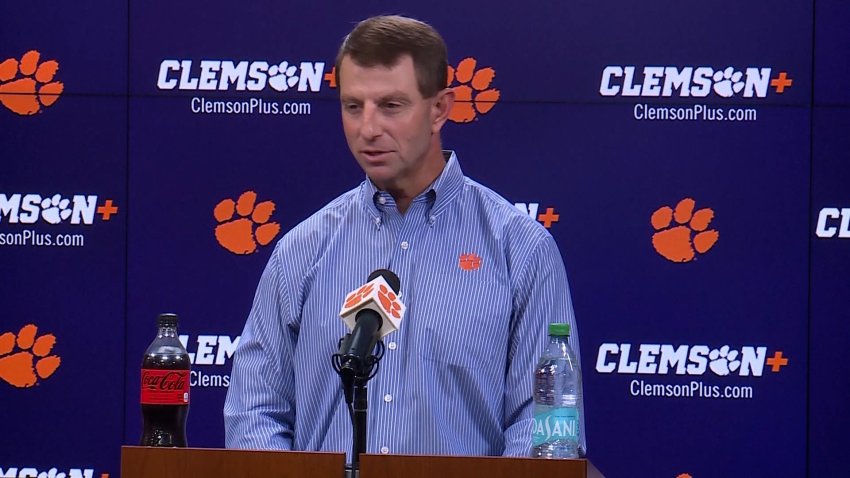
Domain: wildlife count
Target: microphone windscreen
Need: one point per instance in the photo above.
(389, 276)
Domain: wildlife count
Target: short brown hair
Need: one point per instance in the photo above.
(383, 40)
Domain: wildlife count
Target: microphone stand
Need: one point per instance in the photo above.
(359, 421)
(354, 375)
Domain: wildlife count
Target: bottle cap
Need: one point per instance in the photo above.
(167, 320)
(559, 329)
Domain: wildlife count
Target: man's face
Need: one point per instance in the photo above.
(392, 131)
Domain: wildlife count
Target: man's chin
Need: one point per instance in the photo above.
(376, 168)
(382, 177)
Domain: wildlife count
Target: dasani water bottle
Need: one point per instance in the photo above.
(557, 395)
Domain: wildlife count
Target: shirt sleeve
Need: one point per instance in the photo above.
(541, 297)
(259, 412)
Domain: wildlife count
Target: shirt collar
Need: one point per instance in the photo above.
(448, 185)
(444, 189)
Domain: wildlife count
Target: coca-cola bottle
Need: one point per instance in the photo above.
(165, 387)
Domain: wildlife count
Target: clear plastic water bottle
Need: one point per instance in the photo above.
(557, 395)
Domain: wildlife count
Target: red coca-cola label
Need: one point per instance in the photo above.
(165, 387)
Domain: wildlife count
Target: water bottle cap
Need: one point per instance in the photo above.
(167, 320)
(559, 329)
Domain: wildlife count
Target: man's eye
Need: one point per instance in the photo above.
(351, 107)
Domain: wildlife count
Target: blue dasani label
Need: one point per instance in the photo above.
(556, 424)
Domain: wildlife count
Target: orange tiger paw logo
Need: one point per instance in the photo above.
(469, 262)
(241, 235)
(677, 243)
(473, 94)
(24, 368)
(388, 301)
(34, 86)
(358, 296)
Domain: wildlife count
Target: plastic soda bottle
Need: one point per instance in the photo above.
(165, 387)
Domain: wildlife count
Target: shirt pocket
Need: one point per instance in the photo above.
(467, 323)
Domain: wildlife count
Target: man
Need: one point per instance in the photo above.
(481, 281)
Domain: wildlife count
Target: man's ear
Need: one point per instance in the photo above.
(443, 102)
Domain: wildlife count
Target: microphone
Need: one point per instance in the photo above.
(371, 312)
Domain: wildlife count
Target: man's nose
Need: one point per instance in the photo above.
(371, 127)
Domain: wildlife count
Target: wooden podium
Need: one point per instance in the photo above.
(422, 466)
(145, 462)
(149, 462)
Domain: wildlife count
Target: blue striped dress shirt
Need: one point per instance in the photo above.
(456, 378)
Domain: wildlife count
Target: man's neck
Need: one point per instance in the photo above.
(404, 196)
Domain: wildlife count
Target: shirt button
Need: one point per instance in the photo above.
(382, 199)
(388, 398)
(404, 245)
(392, 345)
(385, 450)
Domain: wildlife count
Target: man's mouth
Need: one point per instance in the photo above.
(374, 153)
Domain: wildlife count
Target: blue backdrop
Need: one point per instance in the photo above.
(711, 343)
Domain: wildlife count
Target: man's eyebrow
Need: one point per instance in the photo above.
(395, 96)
